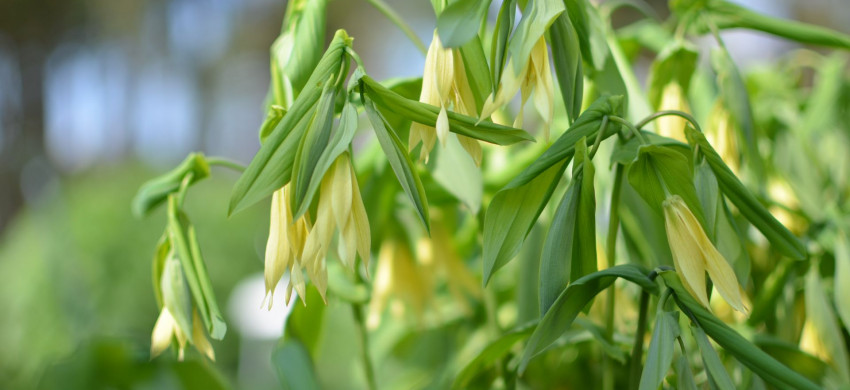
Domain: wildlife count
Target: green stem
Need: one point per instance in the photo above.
(659, 114)
(363, 333)
(401, 24)
(599, 135)
(227, 163)
(610, 253)
(364, 341)
(637, 348)
(630, 126)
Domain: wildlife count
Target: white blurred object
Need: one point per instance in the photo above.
(254, 322)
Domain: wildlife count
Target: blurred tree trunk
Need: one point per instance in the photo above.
(34, 28)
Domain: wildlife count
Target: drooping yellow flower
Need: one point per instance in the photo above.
(437, 253)
(444, 84)
(673, 98)
(399, 283)
(340, 208)
(722, 135)
(535, 74)
(694, 254)
(284, 247)
(785, 203)
(173, 321)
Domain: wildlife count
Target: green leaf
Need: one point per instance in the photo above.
(659, 357)
(459, 22)
(676, 63)
(684, 375)
(791, 355)
(294, 367)
(175, 295)
(400, 162)
(570, 249)
(182, 237)
(591, 32)
(271, 167)
(736, 99)
(163, 248)
(297, 51)
(477, 72)
(155, 191)
(337, 145)
(313, 144)
(492, 353)
(457, 173)
(750, 208)
(586, 126)
(713, 365)
(501, 34)
(510, 216)
(273, 116)
(571, 302)
(765, 366)
(566, 57)
(537, 16)
(427, 114)
(660, 170)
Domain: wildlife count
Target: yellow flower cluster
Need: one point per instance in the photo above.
(296, 245)
(444, 84)
(535, 74)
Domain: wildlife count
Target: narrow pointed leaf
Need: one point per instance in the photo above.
(400, 162)
(459, 22)
(271, 167)
(574, 299)
(747, 204)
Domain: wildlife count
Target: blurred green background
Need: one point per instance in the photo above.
(96, 96)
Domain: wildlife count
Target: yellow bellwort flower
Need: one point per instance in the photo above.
(438, 254)
(694, 254)
(340, 208)
(444, 83)
(170, 325)
(399, 283)
(722, 135)
(284, 247)
(673, 98)
(535, 74)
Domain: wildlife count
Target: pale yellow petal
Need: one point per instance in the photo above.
(472, 147)
(361, 224)
(199, 335)
(443, 126)
(673, 126)
(687, 257)
(162, 334)
(341, 189)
